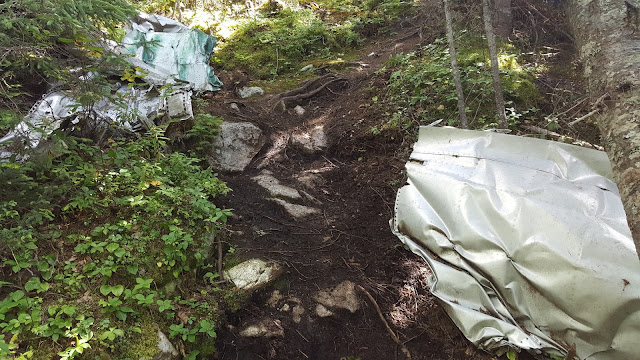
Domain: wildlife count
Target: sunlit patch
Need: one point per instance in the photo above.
(415, 298)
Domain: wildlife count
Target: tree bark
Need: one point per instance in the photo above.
(495, 71)
(503, 17)
(610, 51)
(454, 66)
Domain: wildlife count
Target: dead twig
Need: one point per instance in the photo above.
(220, 272)
(386, 324)
(592, 112)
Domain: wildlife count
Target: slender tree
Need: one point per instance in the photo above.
(495, 71)
(454, 66)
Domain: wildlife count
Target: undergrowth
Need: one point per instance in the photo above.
(421, 88)
(278, 39)
(99, 243)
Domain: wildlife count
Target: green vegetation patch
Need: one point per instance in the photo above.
(90, 240)
(421, 88)
(278, 39)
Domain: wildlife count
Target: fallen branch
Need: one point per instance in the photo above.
(555, 135)
(386, 324)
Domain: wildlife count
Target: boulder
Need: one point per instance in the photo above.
(253, 274)
(235, 146)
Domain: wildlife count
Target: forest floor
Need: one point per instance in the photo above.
(355, 180)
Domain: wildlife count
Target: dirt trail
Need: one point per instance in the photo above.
(352, 183)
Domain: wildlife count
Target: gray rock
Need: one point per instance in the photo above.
(265, 328)
(310, 141)
(234, 107)
(322, 311)
(236, 146)
(297, 312)
(249, 91)
(307, 68)
(343, 296)
(299, 110)
(166, 350)
(253, 274)
(273, 186)
(296, 210)
(275, 298)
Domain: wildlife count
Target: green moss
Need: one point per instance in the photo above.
(235, 300)
(143, 345)
(44, 352)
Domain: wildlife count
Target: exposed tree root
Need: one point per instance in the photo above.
(309, 89)
(386, 324)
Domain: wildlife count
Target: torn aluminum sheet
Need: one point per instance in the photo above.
(171, 53)
(57, 106)
(527, 241)
(166, 51)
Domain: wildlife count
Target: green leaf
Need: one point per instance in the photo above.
(132, 269)
(117, 290)
(512, 355)
(120, 252)
(112, 247)
(121, 315)
(105, 289)
(32, 284)
(16, 295)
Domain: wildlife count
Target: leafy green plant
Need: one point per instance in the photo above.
(43, 39)
(421, 88)
(142, 216)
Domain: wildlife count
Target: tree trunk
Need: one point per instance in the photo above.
(503, 17)
(495, 71)
(454, 66)
(610, 50)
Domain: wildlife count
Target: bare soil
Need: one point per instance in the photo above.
(359, 175)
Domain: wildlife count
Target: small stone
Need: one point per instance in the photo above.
(234, 107)
(275, 298)
(299, 110)
(265, 328)
(285, 308)
(310, 141)
(343, 296)
(307, 68)
(253, 274)
(249, 91)
(322, 311)
(297, 312)
(373, 54)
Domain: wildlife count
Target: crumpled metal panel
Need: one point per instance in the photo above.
(527, 241)
(170, 52)
(166, 51)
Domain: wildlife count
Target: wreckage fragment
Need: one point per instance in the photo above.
(527, 241)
